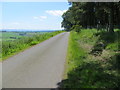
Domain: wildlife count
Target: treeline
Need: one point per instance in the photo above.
(98, 15)
(11, 47)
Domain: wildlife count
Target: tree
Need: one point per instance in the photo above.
(92, 15)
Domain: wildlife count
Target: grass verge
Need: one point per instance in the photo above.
(92, 60)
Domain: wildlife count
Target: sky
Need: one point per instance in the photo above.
(33, 15)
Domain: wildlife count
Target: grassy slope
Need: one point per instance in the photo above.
(92, 60)
(11, 48)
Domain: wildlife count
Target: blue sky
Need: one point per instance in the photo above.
(33, 15)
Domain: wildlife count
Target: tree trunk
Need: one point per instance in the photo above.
(119, 18)
(111, 18)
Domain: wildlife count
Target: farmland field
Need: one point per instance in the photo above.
(10, 35)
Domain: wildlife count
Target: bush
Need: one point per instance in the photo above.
(113, 46)
(34, 43)
(76, 28)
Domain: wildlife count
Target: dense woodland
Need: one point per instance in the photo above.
(93, 59)
(92, 15)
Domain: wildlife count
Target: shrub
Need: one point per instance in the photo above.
(34, 43)
(76, 28)
(113, 46)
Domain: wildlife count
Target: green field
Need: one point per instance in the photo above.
(16, 35)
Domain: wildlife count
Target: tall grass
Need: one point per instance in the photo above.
(11, 47)
(88, 70)
(74, 52)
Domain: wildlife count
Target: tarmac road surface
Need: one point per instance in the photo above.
(40, 66)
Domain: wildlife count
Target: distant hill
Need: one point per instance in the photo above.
(26, 30)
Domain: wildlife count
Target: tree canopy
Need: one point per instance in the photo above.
(92, 15)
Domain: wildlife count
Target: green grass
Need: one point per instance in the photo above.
(92, 60)
(7, 36)
(74, 51)
(10, 48)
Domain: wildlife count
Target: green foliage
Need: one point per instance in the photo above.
(113, 46)
(87, 70)
(88, 15)
(9, 35)
(76, 28)
(75, 52)
(34, 43)
(111, 42)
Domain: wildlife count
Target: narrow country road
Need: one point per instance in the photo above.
(41, 66)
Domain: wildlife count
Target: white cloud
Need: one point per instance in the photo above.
(15, 23)
(43, 17)
(35, 17)
(40, 17)
(56, 12)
